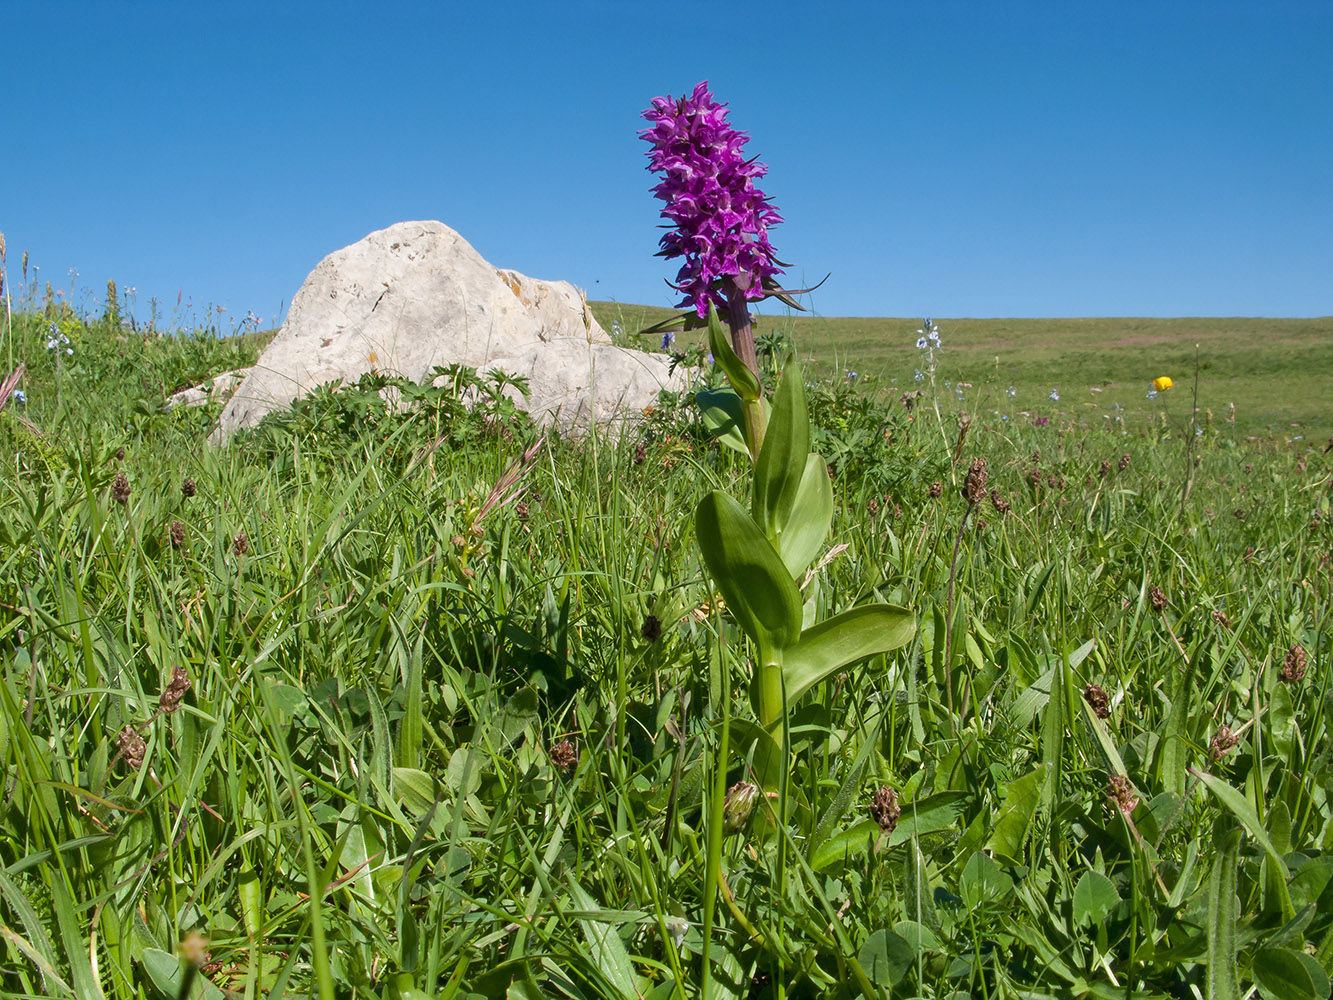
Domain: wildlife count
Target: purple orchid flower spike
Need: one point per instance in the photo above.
(719, 218)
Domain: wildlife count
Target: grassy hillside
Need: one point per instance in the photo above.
(1277, 372)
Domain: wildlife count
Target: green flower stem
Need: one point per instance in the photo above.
(769, 679)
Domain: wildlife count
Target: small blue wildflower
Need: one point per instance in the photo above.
(1055, 395)
(917, 375)
(921, 343)
(709, 357)
(20, 397)
(1152, 393)
(668, 339)
(851, 375)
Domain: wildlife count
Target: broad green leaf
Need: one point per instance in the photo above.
(1174, 751)
(1223, 984)
(1281, 975)
(608, 952)
(843, 639)
(920, 937)
(783, 455)
(846, 844)
(724, 416)
(811, 515)
(744, 381)
(850, 784)
(756, 745)
(415, 789)
(1020, 804)
(929, 815)
(755, 584)
(983, 882)
(168, 974)
(1052, 741)
(1094, 898)
(886, 957)
(1240, 808)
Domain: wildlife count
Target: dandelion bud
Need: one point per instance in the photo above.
(564, 755)
(738, 807)
(174, 692)
(1095, 696)
(884, 808)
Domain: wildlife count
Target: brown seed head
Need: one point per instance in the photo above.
(188, 489)
(1121, 793)
(936, 490)
(1293, 664)
(1124, 462)
(177, 534)
(120, 488)
(1158, 598)
(1096, 697)
(193, 948)
(1106, 467)
(120, 454)
(1223, 740)
(640, 453)
(174, 692)
(651, 628)
(884, 808)
(240, 545)
(1034, 476)
(1220, 618)
(999, 502)
(974, 485)
(131, 746)
(521, 509)
(564, 755)
(872, 507)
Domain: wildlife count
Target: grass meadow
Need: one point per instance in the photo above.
(418, 703)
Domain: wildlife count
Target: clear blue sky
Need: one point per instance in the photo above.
(1154, 158)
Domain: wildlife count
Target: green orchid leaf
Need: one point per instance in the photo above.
(757, 747)
(811, 516)
(843, 639)
(782, 458)
(755, 584)
(744, 381)
(1021, 797)
(723, 415)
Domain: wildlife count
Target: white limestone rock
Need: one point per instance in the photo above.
(417, 295)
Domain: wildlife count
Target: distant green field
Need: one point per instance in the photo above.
(1277, 372)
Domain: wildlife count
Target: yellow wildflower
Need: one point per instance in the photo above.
(1162, 384)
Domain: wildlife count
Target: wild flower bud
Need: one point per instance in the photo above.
(564, 755)
(174, 692)
(884, 808)
(1095, 696)
(1121, 793)
(1223, 740)
(738, 807)
(974, 485)
(1293, 664)
(132, 747)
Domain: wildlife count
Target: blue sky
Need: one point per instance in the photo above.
(945, 158)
